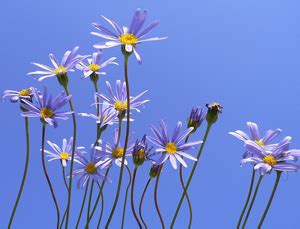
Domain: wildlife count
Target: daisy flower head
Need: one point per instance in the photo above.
(93, 68)
(278, 158)
(45, 107)
(196, 118)
(118, 100)
(16, 96)
(141, 152)
(171, 146)
(113, 152)
(127, 37)
(90, 168)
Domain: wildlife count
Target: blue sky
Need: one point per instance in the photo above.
(243, 54)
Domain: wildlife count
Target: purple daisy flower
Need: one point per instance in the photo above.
(16, 96)
(67, 64)
(196, 118)
(90, 169)
(118, 100)
(94, 65)
(129, 37)
(46, 108)
(141, 152)
(276, 158)
(170, 146)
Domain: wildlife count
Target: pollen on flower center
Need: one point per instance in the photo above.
(94, 67)
(90, 168)
(120, 106)
(60, 70)
(171, 148)
(46, 112)
(64, 155)
(128, 39)
(118, 152)
(24, 92)
(260, 142)
(269, 159)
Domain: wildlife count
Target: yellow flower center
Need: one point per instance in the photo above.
(120, 106)
(118, 152)
(128, 39)
(260, 142)
(90, 168)
(269, 159)
(60, 70)
(46, 112)
(171, 148)
(64, 155)
(24, 92)
(94, 67)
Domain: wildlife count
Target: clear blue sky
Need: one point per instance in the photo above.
(244, 54)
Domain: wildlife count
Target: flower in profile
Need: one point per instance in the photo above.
(67, 64)
(94, 66)
(64, 153)
(16, 96)
(196, 118)
(46, 108)
(127, 37)
(118, 100)
(276, 158)
(90, 168)
(113, 153)
(141, 152)
(171, 146)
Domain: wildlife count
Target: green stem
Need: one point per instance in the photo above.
(132, 198)
(102, 207)
(126, 56)
(156, 200)
(63, 219)
(252, 201)
(247, 200)
(83, 203)
(47, 176)
(72, 158)
(66, 185)
(89, 204)
(24, 173)
(98, 134)
(191, 175)
(141, 202)
(270, 200)
(126, 196)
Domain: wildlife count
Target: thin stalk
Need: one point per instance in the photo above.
(132, 197)
(247, 200)
(278, 175)
(102, 207)
(63, 219)
(141, 202)
(126, 196)
(24, 173)
(156, 201)
(47, 176)
(89, 203)
(191, 175)
(83, 203)
(252, 201)
(126, 142)
(72, 157)
(98, 133)
(66, 185)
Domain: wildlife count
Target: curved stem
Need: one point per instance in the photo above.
(72, 158)
(247, 200)
(141, 202)
(83, 202)
(63, 219)
(126, 196)
(191, 176)
(132, 199)
(47, 176)
(270, 200)
(102, 207)
(89, 204)
(24, 173)
(66, 185)
(126, 142)
(252, 201)
(156, 201)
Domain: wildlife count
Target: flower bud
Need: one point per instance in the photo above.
(154, 171)
(212, 113)
(196, 118)
(140, 152)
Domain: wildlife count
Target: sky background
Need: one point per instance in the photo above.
(243, 54)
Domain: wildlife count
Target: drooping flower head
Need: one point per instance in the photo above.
(171, 146)
(90, 168)
(118, 100)
(59, 69)
(16, 96)
(141, 152)
(196, 118)
(46, 108)
(113, 152)
(130, 37)
(64, 153)
(277, 158)
(94, 66)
